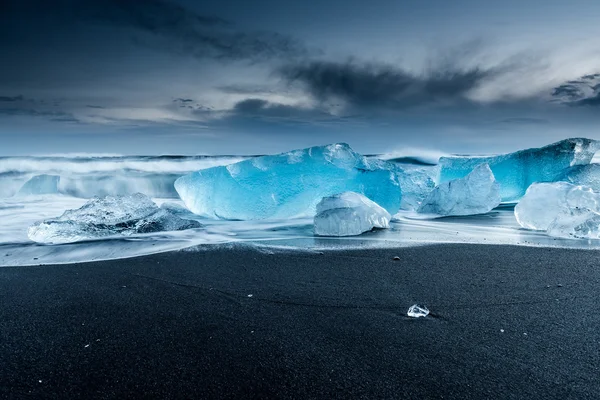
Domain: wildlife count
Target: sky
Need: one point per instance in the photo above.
(265, 76)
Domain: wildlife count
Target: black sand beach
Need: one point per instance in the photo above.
(236, 322)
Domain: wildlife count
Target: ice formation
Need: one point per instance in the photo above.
(417, 311)
(108, 216)
(476, 193)
(585, 175)
(516, 171)
(289, 184)
(415, 184)
(40, 184)
(349, 214)
(560, 208)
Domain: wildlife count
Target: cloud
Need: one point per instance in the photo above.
(584, 91)
(7, 99)
(159, 24)
(379, 85)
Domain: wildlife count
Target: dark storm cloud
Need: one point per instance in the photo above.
(582, 92)
(159, 24)
(266, 111)
(10, 99)
(374, 85)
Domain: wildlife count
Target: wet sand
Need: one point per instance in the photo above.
(237, 322)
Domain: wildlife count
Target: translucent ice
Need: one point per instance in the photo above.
(349, 214)
(415, 185)
(289, 184)
(108, 216)
(577, 223)
(40, 184)
(516, 171)
(476, 193)
(585, 175)
(417, 311)
(544, 202)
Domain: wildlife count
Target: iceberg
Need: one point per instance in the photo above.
(349, 214)
(40, 184)
(289, 184)
(108, 216)
(584, 175)
(476, 193)
(515, 172)
(545, 202)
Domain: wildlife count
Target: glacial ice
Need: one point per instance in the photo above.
(544, 202)
(289, 184)
(584, 175)
(349, 214)
(40, 184)
(108, 216)
(561, 209)
(516, 171)
(476, 193)
(417, 311)
(415, 185)
(576, 224)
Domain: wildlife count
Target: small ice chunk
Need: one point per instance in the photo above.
(476, 193)
(417, 311)
(108, 216)
(349, 214)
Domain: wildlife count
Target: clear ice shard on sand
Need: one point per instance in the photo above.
(417, 311)
(40, 184)
(560, 208)
(515, 172)
(289, 184)
(349, 214)
(108, 216)
(476, 193)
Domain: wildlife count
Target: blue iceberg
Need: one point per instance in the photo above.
(40, 184)
(584, 175)
(515, 172)
(289, 184)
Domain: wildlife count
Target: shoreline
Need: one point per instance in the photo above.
(241, 322)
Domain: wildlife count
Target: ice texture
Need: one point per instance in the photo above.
(349, 214)
(576, 224)
(108, 216)
(584, 175)
(476, 193)
(415, 185)
(417, 311)
(544, 202)
(40, 184)
(515, 172)
(289, 184)
(561, 209)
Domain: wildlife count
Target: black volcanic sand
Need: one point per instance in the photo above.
(506, 323)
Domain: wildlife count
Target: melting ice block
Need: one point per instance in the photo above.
(561, 209)
(476, 193)
(349, 214)
(544, 202)
(108, 216)
(516, 171)
(288, 184)
(415, 185)
(40, 184)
